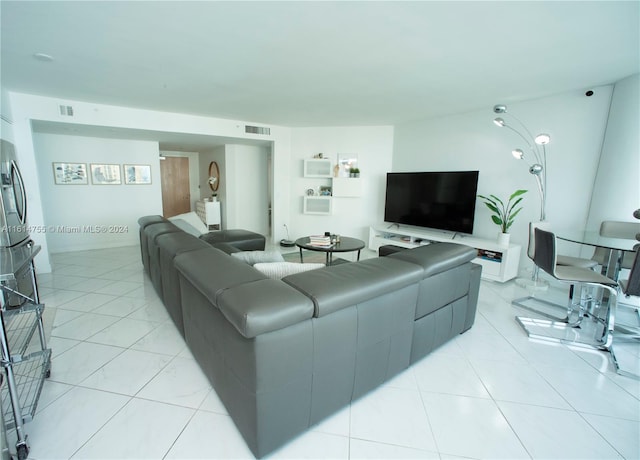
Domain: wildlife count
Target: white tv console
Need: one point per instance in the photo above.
(499, 263)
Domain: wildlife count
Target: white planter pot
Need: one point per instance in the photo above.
(503, 239)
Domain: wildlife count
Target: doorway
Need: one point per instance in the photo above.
(176, 195)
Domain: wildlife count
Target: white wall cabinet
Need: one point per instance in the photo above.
(317, 205)
(499, 263)
(345, 187)
(209, 213)
(318, 167)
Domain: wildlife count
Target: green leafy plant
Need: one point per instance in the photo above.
(504, 215)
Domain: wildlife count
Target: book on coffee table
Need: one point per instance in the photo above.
(320, 241)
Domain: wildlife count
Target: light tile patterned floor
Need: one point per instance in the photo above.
(124, 385)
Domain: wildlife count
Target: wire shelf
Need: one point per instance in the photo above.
(20, 326)
(29, 376)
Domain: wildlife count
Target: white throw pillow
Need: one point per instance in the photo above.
(192, 219)
(254, 257)
(277, 270)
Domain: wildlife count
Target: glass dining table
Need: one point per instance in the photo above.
(614, 246)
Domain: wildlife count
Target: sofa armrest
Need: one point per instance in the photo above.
(474, 290)
(263, 306)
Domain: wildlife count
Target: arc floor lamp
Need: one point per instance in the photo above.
(537, 160)
(536, 145)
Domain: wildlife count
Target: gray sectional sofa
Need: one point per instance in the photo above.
(284, 354)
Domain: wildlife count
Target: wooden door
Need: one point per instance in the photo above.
(176, 198)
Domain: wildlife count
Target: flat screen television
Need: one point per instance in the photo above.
(443, 200)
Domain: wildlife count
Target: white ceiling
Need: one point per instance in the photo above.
(316, 63)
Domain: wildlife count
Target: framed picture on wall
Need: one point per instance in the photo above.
(347, 162)
(70, 174)
(105, 174)
(137, 174)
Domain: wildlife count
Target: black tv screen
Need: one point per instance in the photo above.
(440, 200)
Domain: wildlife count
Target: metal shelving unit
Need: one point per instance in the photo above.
(25, 372)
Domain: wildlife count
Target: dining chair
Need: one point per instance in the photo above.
(616, 229)
(631, 286)
(536, 282)
(598, 332)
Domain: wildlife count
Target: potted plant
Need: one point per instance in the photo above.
(504, 215)
(354, 172)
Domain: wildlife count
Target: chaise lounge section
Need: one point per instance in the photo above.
(283, 355)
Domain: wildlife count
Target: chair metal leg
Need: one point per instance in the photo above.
(567, 309)
(568, 333)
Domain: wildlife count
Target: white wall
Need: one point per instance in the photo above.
(247, 192)
(27, 107)
(471, 141)
(6, 128)
(351, 216)
(616, 192)
(74, 213)
(194, 172)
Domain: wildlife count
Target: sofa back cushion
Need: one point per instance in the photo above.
(212, 271)
(340, 286)
(436, 258)
(263, 306)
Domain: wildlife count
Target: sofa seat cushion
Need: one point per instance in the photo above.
(241, 239)
(340, 286)
(263, 306)
(278, 270)
(255, 257)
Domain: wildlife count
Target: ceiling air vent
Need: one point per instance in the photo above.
(257, 130)
(66, 110)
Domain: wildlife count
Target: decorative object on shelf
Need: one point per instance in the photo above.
(214, 176)
(325, 190)
(310, 192)
(538, 166)
(504, 215)
(319, 156)
(354, 172)
(137, 174)
(336, 170)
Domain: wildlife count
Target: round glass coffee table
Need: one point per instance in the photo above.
(345, 244)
